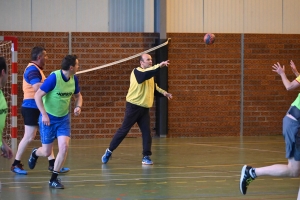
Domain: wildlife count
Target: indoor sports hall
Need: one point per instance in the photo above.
(227, 108)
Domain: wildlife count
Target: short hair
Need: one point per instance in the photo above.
(36, 51)
(141, 58)
(69, 60)
(3, 64)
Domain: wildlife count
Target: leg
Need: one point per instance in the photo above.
(47, 139)
(292, 169)
(291, 136)
(62, 132)
(63, 145)
(29, 135)
(43, 151)
(144, 124)
(30, 116)
(132, 113)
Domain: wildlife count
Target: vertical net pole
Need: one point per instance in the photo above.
(14, 90)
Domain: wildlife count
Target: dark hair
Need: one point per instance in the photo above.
(3, 64)
(141, 58)
(69, 60)
(36, 51)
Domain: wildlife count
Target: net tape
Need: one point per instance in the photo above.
(125, 59)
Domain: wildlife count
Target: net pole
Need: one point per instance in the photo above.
(14, 91)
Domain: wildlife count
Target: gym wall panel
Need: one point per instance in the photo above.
(263, 16)
(17, 15)
(291, 16)
(149, 16)
(223, 16)
(92, 15)
(54, 15)
(126, 16)
(185, 16)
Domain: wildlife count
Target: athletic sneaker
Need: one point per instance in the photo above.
(246, 179)
(147, 161)
(62, 170)
(32, 160)
(18, 169)
(56, 184)
(106, 156)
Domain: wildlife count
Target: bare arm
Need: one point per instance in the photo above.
(36, 86)
(78, 103)
(281, 71)
(294, 69)
(39, 102)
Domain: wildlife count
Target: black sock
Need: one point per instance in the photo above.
(16, 162)
(54, 176)
(51, 162)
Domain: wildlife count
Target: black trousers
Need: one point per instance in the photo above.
(134, 114)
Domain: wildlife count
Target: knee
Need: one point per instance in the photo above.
(45, 152)
(63, 148)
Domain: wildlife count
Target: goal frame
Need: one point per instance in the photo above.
(14, 89)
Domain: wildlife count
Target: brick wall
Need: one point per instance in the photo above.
(206, 84)
(205, 80)
(266, 99)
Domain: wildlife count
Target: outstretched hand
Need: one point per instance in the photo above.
(294, 69)
(164, 63)
(168, 95)
(278, 69)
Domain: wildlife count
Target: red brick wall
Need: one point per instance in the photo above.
(266, 99)
(204, 80)
(206, 84)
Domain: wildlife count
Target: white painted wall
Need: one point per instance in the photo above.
(183, 16)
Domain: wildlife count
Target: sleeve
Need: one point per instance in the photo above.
(77, 88)
(49, 84)
(32, 75)
(158, 89)
(144, 75)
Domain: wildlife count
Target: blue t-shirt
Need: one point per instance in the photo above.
(50, 83)
(32, 76)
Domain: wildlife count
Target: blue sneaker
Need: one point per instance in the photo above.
(18, 169)
(62, 170)
(147, 161)
(32, 160)
(106, 156)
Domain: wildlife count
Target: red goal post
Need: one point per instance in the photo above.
(9, 49)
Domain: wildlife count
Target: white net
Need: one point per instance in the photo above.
(5, 51)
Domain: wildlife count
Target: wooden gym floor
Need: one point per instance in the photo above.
(184, 168)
